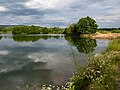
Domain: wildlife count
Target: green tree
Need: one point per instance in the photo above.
(83, 26)
(71, 29)
(119, 28)
(86, 25)
(45, 30)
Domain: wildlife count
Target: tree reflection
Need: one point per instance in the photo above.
(0, 37)
(32, 38)
(84, 45)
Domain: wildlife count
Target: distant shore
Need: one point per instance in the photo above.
(102, 36)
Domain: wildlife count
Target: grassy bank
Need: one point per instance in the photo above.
(114, 45)
(100, 71)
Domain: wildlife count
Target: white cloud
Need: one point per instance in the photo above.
(48, 4)
(16, 19)
(4, 52)
(108, 18)
(54, 18)
(3, 9)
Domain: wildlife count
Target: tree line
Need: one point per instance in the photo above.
(32, 30)
(36, 30)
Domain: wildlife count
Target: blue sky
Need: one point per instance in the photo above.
(59, 13)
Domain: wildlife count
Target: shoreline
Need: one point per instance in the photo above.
(102, 36)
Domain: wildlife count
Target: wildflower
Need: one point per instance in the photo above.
(50, 85)
(91, 77)
(48, 88)
(92, 70)
(98, 71)
(53, 86)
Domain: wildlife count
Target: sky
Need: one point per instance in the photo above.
(59, 13)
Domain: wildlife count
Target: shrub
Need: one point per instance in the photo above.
(103, 31)
(115, 31)
(98, 74)
(114, 45)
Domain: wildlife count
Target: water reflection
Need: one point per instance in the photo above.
(32, 38)
(84, 45)
(34, 60)
(0, 37)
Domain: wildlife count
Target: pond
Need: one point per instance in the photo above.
(38, 59)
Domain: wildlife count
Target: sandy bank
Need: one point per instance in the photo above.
(102, 36)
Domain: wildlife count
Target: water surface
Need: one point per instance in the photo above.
(38, 59)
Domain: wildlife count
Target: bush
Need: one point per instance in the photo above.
(98, 74)
(114, 45)
(103, 31)
(115, 31)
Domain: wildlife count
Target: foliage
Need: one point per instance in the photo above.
(98, 74)
(0, 29)
(83, 26)
(32, 30)
(6, 30)
(114, 45)
(26, 30)
(108, 31)
(71, 29)
(87, 25)
(103, 31)
(115, 31)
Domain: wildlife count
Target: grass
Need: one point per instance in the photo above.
(98, 74)
(115, 31)
(106, 32)
(114, 45)
(103, 31)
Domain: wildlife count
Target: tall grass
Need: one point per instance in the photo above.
(98, 74)
(115, 31)
(100, 71)
(114, 45)
(103, 31)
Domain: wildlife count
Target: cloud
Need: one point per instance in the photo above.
(4, 52)
(48, 4)
(55, 18)
(110, 18)
(58, 12)
(3, 9)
